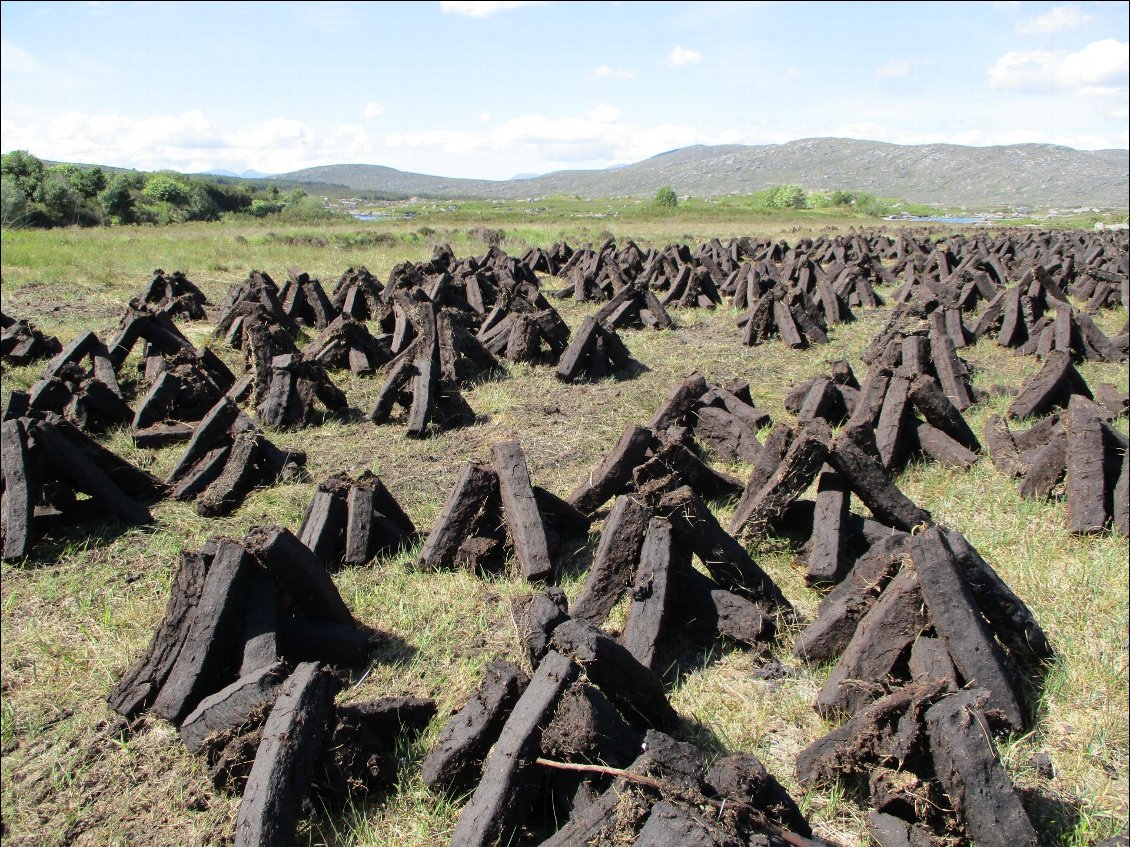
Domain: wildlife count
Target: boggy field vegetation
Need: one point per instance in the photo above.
(84, 604)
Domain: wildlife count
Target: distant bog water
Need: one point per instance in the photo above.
(937, 220)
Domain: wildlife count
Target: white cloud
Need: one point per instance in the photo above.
(602, 113)
(792, 73)
(1102, 67)
(374, 109)
(485, 118)
(484, 8)
(680, 57)
(16, 60)
(186, 142)
(1059, 19)
(594, 140)
(609, 72)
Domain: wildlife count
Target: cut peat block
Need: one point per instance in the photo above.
(347, 343)
(936, 744)
(173, 294)
(1049, 388)
(495, 508)
(304, 300)
(927, 590)
(352, 521)
(226, 457)
(183, 388)
(594, 352)
(357, 295)
(47, 462)
(21, 343)
(257, 295)
(220, 667)
(1079, 448)
(296, 385)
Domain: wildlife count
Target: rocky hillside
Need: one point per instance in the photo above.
(940, 174)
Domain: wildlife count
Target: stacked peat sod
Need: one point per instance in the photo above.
(434, 354)
(88, 397)
(257, 298)
(595, 352)
(182, 383)
(1021, 317)
(47, 462)
(226, 458)
(549, 261)
(659, 521)
(358, 295)
(725, 418)
(172, 294)
(493, 509)
(351, 521)
(304, 300)
(523, 327)
(934, 651)
(580, 742)
(1079, 448)
(21, 343)
(247, 662)
(346, 342)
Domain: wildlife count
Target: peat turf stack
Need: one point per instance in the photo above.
(934, 651)
(21, 343)
(495, 508)
(295, 388)
(172, 294)
(182, 389)
(522, 326)
(634, 306)
(665, 448)
(226, 458)
(1050, 388)
(791, 460)
(785, 313)
(1074, 332)
(577, 746)
(926, 604)
(358, 295)
(594, 352)
(89, 397)
(435, 354)
(258, 293)
(1079, 448)
(923, 757)
(908, 410)
(247, 662)
(646, 548)
(304, 300)
(47, 463)
(351, 521)
(347, 343)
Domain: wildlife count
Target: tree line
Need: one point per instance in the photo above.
(34, 194)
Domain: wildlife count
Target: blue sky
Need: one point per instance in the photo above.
(494, 89)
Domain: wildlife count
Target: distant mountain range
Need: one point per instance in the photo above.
(938, 174)
(252, 174)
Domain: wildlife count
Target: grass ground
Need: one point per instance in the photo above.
(76, 614)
